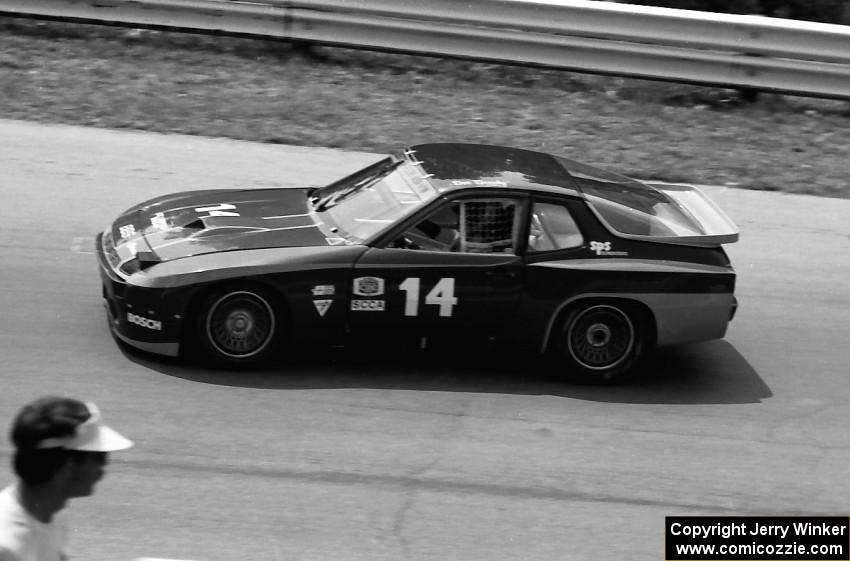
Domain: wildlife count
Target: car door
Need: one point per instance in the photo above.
(557, 239)
(455, 272)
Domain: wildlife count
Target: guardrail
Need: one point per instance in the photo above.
(760, 53)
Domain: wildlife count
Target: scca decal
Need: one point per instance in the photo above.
(368, 305)
(144, 322)
(368, 286)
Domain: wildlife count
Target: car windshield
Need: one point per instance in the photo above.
(360, 206)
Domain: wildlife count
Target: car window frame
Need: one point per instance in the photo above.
(522, 198)
(571, 205)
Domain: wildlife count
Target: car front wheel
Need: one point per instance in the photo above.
(238, 325)
(600, 342)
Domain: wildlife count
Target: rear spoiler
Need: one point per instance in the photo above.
(720, 229)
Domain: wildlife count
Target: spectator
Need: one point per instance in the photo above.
(61, 448)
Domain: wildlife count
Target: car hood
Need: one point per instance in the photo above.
(198, 222)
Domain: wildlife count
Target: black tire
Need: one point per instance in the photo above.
(600, 342)
(239, 325)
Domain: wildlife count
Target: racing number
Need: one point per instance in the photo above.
(223, 209)
(442, 295)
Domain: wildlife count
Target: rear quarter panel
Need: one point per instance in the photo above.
(687, 302)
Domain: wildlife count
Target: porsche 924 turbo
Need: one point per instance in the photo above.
(471, 241)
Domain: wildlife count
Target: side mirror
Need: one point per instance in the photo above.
(403, 242)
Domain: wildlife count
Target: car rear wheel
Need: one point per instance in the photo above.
(239, 325)
(600, 342)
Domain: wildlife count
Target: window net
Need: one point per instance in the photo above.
(487, 226)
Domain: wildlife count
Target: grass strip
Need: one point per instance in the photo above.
(270, 91)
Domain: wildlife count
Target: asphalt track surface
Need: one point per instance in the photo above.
(367, 457)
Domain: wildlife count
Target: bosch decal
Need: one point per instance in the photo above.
(368, 286)
(144, 322)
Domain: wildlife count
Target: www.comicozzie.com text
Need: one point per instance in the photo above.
(759, 549)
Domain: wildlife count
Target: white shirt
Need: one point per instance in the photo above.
(23, 538)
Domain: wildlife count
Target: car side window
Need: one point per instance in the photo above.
(552, 227)
(481, 225)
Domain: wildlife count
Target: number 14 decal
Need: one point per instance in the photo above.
(442, 295)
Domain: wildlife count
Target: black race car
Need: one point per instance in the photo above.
(442, 240)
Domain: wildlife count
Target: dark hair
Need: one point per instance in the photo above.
(46, 417)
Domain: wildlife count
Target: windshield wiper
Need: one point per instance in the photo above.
(339, 190)
(322, 203)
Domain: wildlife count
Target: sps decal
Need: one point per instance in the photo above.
(604, 248)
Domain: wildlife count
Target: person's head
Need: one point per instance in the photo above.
(62, 441)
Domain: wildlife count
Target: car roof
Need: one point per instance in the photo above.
(457, 166)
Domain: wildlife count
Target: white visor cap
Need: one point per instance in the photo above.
(90, 436)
